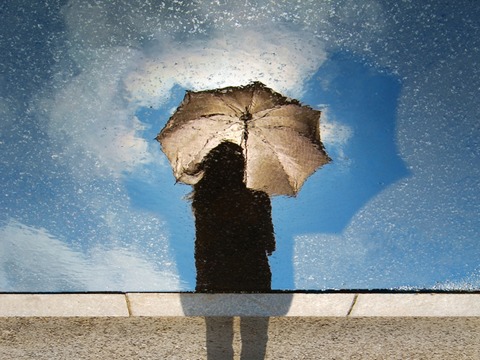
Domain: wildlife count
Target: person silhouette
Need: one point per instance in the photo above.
(234, 236)
(234, 229)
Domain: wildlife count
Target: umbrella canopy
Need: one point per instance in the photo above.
(280, 137)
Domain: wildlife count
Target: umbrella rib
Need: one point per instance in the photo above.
(213, 114)
(235, 109)
(267, 113)
(314, 142)
(252, 102)
(272, 147)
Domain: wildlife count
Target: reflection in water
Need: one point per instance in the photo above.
(321, 227)
(234, 230)
(234, 235)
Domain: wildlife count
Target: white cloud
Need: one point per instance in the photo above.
(281, 59)
(335, 136)
(326, 261)
(334, 133)
(98, 131)
(33, 260)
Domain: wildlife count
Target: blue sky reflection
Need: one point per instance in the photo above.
(89, 203)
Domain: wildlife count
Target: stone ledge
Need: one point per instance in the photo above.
(271, 305)
(320, 305)
(63, 305)
(416, 305)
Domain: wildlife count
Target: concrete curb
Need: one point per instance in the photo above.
(63, 305)
(275, 304)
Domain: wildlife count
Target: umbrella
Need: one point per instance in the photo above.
(280, 138)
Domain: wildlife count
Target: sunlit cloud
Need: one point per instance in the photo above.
(282, 60)
(32, 259)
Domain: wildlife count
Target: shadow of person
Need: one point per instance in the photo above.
(253, 310)
(234, 236)
(220, 336)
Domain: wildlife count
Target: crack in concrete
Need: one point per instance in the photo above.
(129, 309)
(354, 301)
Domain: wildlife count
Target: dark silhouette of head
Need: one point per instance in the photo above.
(224, 164)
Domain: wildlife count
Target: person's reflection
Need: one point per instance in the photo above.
(234, 236)
(234, 230)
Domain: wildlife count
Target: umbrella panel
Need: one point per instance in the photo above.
(280, 138)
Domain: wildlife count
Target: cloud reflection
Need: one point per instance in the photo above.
(281, 59)
(31, 259)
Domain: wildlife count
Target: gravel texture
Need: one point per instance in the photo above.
(288, 338)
